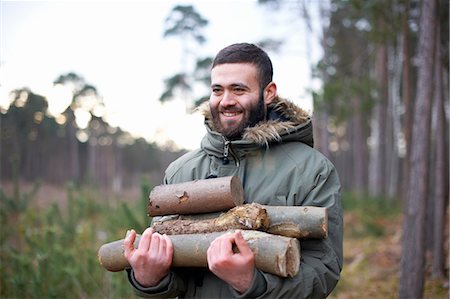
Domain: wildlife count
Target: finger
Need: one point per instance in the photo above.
(144, 243)
(225, 244)
(128, 243)
(169, 246)
(155, 243)
(214, 249)
(242, 244)
(162, 245)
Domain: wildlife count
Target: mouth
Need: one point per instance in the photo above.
(231, 115)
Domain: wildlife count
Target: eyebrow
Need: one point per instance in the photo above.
(234, 85)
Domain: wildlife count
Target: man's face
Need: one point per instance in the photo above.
(236, 101)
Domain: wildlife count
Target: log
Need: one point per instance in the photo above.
(277, 255)
(302, 222)
(199, 196)
(247, 217)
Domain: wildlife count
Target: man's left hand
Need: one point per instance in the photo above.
(235, 268)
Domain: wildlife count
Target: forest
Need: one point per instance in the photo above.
(381, 116)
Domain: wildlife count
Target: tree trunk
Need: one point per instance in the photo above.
(199, 196)
(357, 142)
(393, 147)
(412, 266)
(440, 170)
(273, 254)
(378, 153)
(406, 94)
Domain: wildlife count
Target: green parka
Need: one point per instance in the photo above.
(277, 165)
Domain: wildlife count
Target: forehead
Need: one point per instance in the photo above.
(232, 73)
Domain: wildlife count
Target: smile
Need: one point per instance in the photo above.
(230, 114)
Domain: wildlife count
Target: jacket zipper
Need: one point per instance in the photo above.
(227, 149)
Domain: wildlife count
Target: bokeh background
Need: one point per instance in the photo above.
(98, 97)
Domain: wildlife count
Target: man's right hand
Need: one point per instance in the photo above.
(152, 259)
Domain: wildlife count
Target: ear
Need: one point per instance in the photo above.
(270, 93)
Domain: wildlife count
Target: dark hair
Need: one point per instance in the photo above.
(247, 53)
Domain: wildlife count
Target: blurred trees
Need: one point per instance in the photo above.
(382, 122)
(373, 114)
(76, 146)
(414, 228)
(185, 23)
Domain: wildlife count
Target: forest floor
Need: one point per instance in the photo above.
(372, 253)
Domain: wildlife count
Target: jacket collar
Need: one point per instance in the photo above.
(285, 122)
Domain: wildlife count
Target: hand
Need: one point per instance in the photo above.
(152, 259)
(236, 269)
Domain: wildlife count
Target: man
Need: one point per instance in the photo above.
(267, 142)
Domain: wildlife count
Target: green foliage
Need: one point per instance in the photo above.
(185, 21)
(52, 252)
(369, 215)
(176, 82)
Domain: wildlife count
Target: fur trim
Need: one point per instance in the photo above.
(269, 130)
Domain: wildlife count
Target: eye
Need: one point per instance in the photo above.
(216, 90)
(239, 90)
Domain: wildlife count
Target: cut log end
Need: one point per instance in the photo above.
(293, 258)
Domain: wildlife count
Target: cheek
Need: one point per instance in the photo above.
(214, 101)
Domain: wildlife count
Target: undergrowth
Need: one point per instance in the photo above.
(51, 252)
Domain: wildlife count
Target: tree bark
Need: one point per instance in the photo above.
(199, 196)
(406, 94)
(303, 222)
(273, 254)
(377, 174)
(412, 265)
(358, 142)
(438, 220)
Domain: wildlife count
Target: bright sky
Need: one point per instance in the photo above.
(118, 47)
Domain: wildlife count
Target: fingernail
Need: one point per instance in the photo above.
(128, 233)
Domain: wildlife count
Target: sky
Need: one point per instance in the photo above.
(118, 47)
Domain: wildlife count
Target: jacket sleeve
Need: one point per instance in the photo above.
(321, 260)
(169, 287)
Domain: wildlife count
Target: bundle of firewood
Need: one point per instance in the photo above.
(197, 212)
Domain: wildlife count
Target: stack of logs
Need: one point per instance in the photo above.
(193, 217)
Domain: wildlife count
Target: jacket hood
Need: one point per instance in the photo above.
(285, 122)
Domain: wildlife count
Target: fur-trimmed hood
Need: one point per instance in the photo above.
(285, 122)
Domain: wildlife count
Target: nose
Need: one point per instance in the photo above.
(228, 99)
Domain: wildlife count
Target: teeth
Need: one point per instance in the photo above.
(230, 113)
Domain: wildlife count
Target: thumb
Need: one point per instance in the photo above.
(128, 243)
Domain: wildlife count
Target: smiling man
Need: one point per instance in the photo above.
(237, 100)
(267, 142)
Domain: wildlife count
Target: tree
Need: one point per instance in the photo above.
(412, 272)
(441, 166)
(20, 130)
(86, 104)
(185, 23)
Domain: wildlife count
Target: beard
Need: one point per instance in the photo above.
(251, 117)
